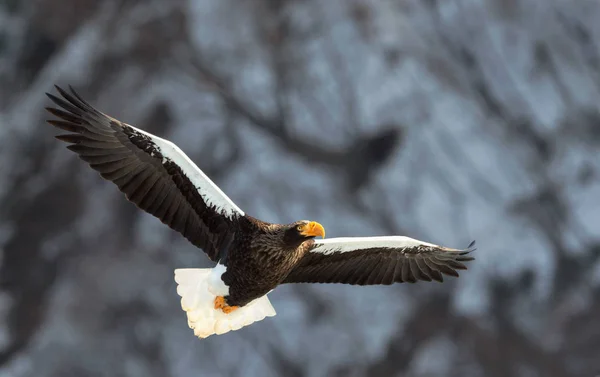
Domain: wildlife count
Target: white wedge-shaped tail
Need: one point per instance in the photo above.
(197, 289)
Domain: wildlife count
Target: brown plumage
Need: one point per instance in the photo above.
(265, 258)
(253, 256)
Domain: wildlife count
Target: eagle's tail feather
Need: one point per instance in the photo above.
(198, 303)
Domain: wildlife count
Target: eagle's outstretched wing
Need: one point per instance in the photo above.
(377, 260)
(152, 172)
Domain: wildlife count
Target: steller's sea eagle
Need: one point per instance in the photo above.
(253, 257)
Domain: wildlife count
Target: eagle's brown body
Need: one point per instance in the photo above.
(261, 260)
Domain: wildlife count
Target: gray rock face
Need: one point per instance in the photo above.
(440, 120)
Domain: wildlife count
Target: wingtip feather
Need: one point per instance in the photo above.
(69, 138)
(54, 98)
(60, 90)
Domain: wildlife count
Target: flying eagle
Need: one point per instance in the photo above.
(253, 256)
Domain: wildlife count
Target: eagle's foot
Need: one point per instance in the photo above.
(228, 309)
(220, 303)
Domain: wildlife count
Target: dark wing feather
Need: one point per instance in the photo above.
(152, 173)
(341, 262)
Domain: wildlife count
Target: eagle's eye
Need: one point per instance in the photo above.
(299, 228)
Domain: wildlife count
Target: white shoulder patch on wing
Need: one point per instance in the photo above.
(349, 244)
(210, 192)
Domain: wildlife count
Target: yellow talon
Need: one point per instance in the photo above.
(228, 309)
(220, 303)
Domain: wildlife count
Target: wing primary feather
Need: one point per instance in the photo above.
(83, 102)
(81, 139)
(69, 117)
(144, 188)
(354, 277)
(121, 176)
(398, 270)
(66, 105)
(443, 267)
(437, 276)
(161, 196)
(413, 271)
(170, 215)
(179, 220)
(353, 272)
(67, 126)
(347, 271)
(374, 270)
(382, 268)
(366, 270)
(435, 272)
(72, 127)
(72, 138)
(70, 98)
(152, 195)
(373, 274)
(103, 159)
(425, 270)
(163, 207)
(111, 166)
(84, 150)
(453, 263)
(191, 227)
(387, 277)
(136, 182)
(334, 271)
(418, 272)
(405, 272)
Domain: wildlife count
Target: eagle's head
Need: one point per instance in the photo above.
(300, 231)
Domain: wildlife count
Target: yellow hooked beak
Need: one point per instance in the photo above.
(312, 229)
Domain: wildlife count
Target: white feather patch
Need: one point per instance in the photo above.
(216, 285)
(210, 192)
(349, 244)
(198, 303)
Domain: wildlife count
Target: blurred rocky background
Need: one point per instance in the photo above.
(441, 120)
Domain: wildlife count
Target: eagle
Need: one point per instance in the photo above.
(252, 256)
